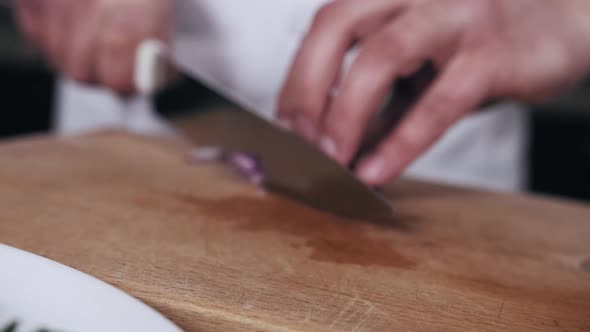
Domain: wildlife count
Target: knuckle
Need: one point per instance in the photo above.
(417, 134)
(118, 83)
(333, 16)
(391, 45)
(117, 38)
(324, 15)
(78, 75)
(340, 118)
(311, 105)
(284, 105)
(484, 6)
(449, 97)
(115, 42)
(124, 88)
(342, 124)
(440, 110)
(442, 101)
(404, 143)
(475, 12)
(463, 12)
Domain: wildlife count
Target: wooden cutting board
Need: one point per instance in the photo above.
(213, 253)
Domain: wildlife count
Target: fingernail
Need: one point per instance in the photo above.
(306, 128)
(372, 170)
(328, 146)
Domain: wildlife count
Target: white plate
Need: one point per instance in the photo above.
(40, 293)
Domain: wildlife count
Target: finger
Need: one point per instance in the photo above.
(317, 65)
(460, 89)
(31, 18)
(57, 31)
(398, 49)
(117, 47)
(80, 61)
(116, 62)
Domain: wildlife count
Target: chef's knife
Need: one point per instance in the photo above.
(292, 167)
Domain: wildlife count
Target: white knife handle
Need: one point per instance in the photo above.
(151, 66)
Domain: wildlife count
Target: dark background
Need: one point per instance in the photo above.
(559, 154)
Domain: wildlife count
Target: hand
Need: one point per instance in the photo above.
(94, 41)
(482, 49)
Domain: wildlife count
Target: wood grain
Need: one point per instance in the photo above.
(212, 253)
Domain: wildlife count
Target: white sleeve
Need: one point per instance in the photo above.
(241, 49)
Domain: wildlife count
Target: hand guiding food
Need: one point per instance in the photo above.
(482, 50)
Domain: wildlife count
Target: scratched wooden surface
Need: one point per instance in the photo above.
(212, 253)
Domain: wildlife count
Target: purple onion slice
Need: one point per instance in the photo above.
(206, 154)
(244, 161)
(247, 165)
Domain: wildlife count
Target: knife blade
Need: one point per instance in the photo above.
(292, 167)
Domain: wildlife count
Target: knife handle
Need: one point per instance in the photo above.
(152, 69)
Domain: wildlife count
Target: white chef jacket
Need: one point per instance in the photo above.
(243, 50)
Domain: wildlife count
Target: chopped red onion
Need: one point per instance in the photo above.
(206, 154)
(246, 164)
(256, 179)
(244, 161)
